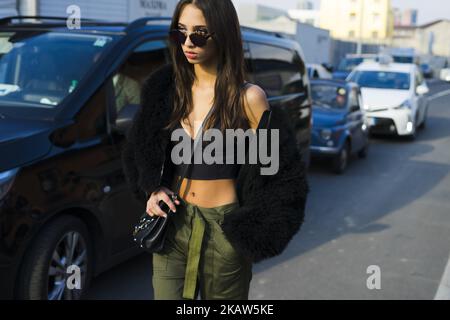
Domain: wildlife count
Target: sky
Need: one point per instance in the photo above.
(429, 10)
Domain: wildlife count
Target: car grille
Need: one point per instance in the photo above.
(383, 126)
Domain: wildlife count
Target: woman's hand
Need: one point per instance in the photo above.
(162, 193)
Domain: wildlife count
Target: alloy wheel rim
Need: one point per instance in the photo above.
(71, 250)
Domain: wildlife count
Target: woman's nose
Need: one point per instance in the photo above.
(188, 42)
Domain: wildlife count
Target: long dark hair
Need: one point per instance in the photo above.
(221, 18)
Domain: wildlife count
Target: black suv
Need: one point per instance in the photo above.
(66, 99)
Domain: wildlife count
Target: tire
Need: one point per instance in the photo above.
(53, 244)
(340, 162)
(412, 137)
(362, 154)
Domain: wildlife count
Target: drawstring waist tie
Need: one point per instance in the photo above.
(199, 217)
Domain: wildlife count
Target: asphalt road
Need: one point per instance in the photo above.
(391, 210)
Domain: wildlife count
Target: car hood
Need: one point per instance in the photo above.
(378, 99)
(326, 118)
(22, 141)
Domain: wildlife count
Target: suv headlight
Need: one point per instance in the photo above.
(325, 134)
(405, 105)
(6, 181)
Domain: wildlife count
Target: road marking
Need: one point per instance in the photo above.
(439, 95)
(443, 292)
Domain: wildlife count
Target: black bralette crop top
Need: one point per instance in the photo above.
(205, 171)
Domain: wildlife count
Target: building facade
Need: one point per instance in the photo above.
(311, 17)
(315, 42)
(253, 12)
(114, 10)
(429, 39)
(407, 18)
(371, 21)
(8, 8)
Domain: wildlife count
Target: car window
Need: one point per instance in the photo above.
(354, 98)
(403, 59)
(248, 62)
(381, 79)
(348, 64)
(92, 118)
(316, 74)
(329, 96)
(278, 71)
(35, 73)
(128, 79)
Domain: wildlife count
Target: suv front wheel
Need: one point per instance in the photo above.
(59, 264)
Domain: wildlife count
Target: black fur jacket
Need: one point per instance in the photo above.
(271, 206)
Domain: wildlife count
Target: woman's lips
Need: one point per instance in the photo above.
(191, 55)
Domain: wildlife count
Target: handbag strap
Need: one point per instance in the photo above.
(196, 143)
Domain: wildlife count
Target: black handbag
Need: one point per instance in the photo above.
(150, 232)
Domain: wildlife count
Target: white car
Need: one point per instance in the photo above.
(393, 95)
(445, 74)
(317, 71)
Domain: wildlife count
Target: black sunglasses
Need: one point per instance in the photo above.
(197, 38)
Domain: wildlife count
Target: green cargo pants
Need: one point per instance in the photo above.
(198, 258)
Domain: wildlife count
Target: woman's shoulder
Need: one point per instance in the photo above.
(255, 95)
(255, 103)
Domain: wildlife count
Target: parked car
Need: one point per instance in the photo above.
(350, 62)
(67, 99)
(445, 74)
(402, 55)
(318, 71)
(427, 71)
(394, 97)
(339, 126)
(278, 66)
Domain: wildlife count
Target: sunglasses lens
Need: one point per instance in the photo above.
(177, 36)
(198, 40)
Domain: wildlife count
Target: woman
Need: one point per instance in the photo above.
(229, 216)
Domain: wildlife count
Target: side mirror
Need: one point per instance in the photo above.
(125, 117)
(422, 89)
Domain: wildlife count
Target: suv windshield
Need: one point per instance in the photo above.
(40, 68)
(403, 59)
(381, 79)
(348, 64)
(329, 96)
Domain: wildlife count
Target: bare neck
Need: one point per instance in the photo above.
(206, 75)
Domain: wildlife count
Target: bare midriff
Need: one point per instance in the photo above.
(208, 193)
